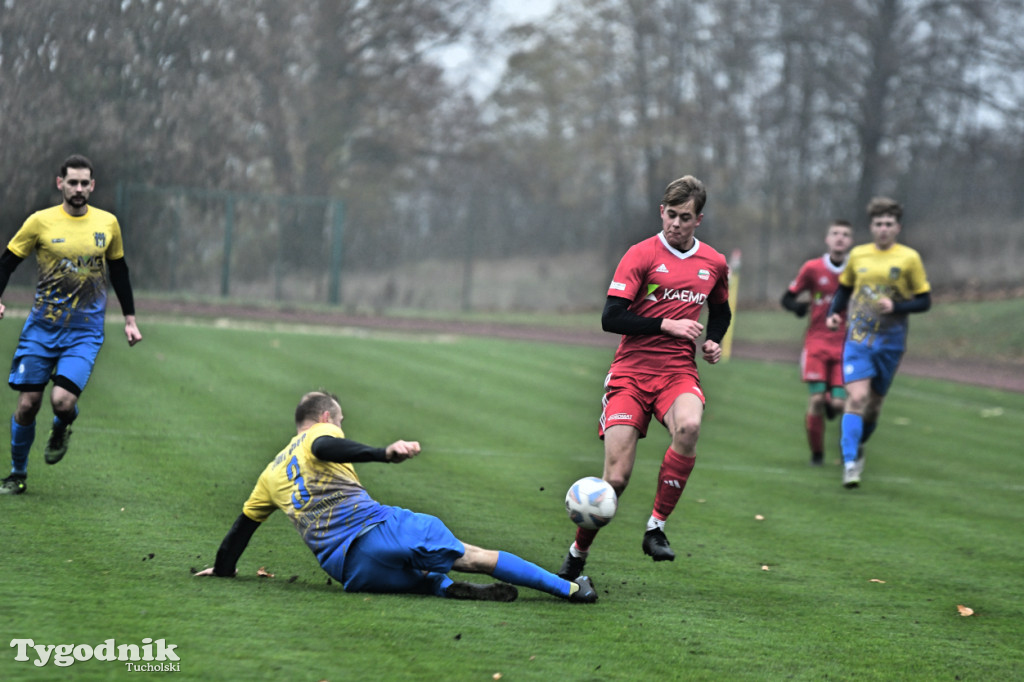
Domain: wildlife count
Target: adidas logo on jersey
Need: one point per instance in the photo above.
(671, 482)
(661, 268)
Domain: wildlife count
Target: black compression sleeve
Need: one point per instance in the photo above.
(618, 319)
(918, 304)
(790, 303)
(233, 545)
(719, 317)
(8, 263)
(840, 299)
(122, 285)
(343, 450)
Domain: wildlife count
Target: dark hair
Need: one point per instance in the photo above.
(75, 161)
(884, 206)
(315, 403)
(841, 222)
(683, 189)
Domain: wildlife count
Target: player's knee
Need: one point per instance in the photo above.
(686, 432)
(618, 480)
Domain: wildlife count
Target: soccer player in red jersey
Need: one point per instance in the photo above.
(655, 300)
(821, 362)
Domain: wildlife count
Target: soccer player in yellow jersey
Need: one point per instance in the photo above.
(75, 245)
(363, 544)
(883, 283)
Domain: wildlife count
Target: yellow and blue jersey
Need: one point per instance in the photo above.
(71, 252)
(324, 500)
(873, 273)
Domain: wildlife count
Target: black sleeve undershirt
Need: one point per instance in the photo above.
(121, 283)
(719, 317)
(918, 304)
(233, 545)
(619, 319)
(790, 303)
(840, 299)
(8, 264)
(343, 451)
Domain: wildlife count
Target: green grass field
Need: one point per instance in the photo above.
(831, 584)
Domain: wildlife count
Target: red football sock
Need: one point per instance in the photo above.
(675, 470)
(585, 538)
(815, 432)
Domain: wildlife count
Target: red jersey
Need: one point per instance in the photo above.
(664, 282)
(820, 278)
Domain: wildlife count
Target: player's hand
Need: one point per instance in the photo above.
(131, 331)
(209, 572)
(682, 329)
(2, 309)
(833, 321)
(801, 309)
(712, 352)
(401, 450)
(884, 305)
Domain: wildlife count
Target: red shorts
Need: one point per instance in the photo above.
(633, 399)
(822, 364)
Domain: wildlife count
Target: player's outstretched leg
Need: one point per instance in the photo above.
(491, 592)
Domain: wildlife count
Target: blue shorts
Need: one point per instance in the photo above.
(877, 364)
(47, 351)
(409, 552)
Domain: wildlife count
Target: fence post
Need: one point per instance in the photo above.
(337, 229)
(229, 228)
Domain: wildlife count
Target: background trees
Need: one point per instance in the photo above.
(793, 112)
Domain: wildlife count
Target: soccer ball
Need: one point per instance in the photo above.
(591, 502)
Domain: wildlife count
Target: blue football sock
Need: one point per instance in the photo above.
(853, 427)
(21, 443)
(512, 569)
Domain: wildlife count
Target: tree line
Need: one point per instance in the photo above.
(793, 112)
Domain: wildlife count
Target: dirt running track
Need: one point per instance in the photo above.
(1005, 376)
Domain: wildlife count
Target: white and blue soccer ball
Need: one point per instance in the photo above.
(591, 502)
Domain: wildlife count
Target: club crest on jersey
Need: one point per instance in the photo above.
(894, 273)
(704, 274)
(101, 238)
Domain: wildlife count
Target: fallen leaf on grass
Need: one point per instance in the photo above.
(758, 517)
(876, 580)
(262, 572)
(964, 610)
(765, 568)
(496, 676)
